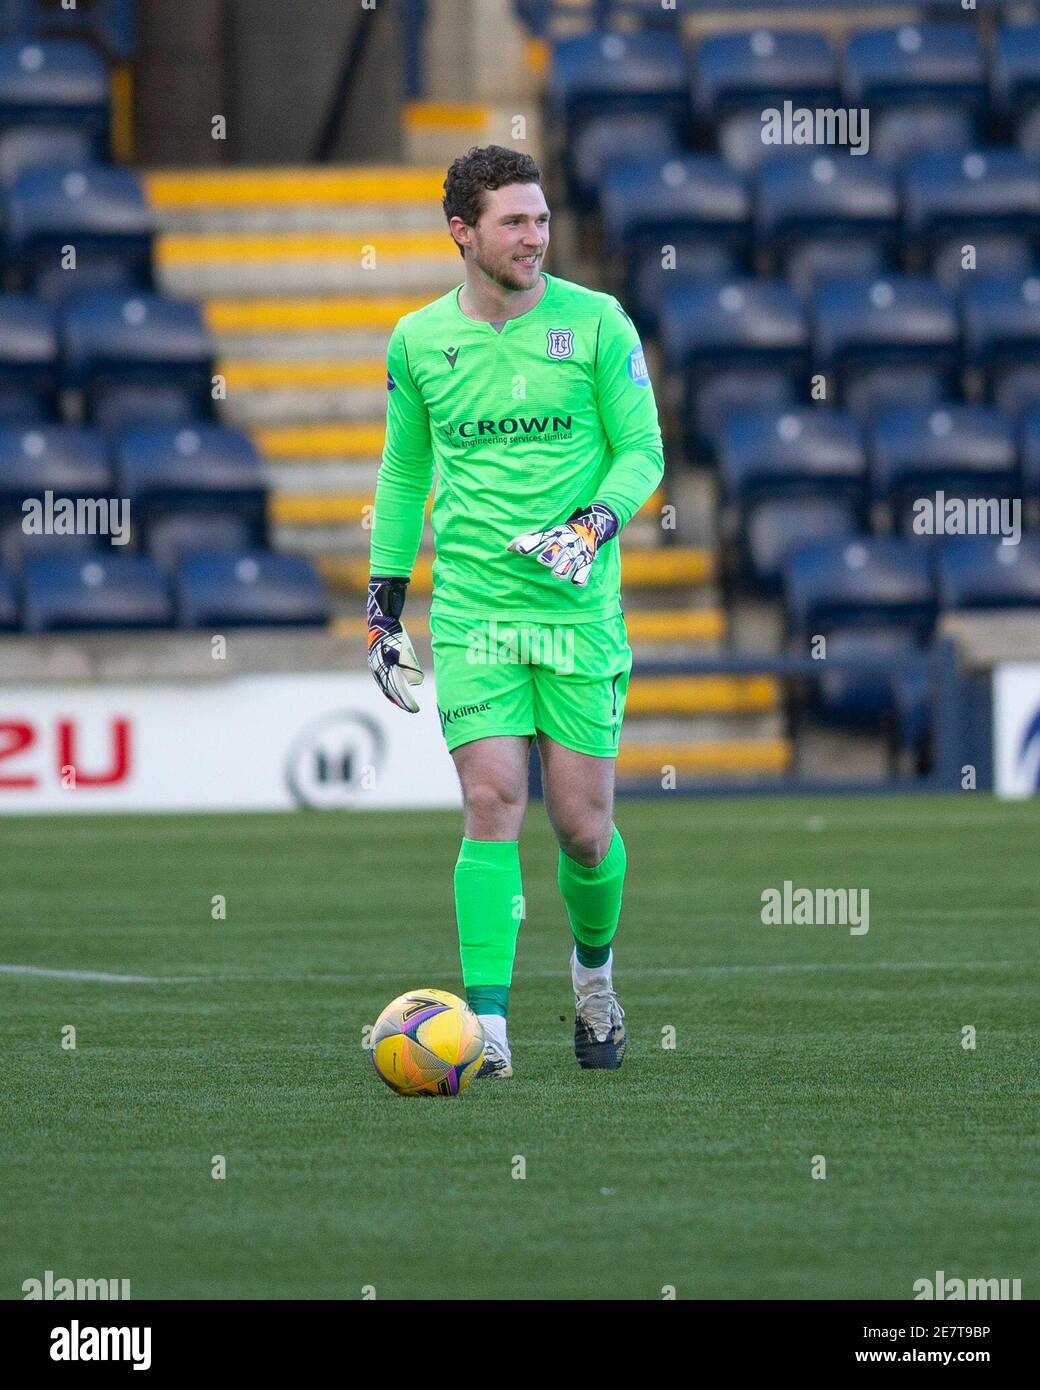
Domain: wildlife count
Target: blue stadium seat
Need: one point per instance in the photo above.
(734, 342)
(832, 215)
(1015, 68)
(67, 459)
(693, 203)
(925, 86)
(249, 589)
(899, 135)
(987, 198)
(138, 358)
(1001, 328)
(98, 210)
(603, 140)
(18, 549)
(615, 95)
(763, 67)
(1029, 458)
(912, 64)
(963, 451)
(866, 582)
(198, 487)
(40, 146)
(868, 597)
(109, 22)
(738, 75)
(171, 536)
(28, 359)
(9, 618)
(107, 592)
(789, 478)
(55, 82)
(888, 341)
(978, 572)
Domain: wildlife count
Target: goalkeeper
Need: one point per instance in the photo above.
(531, 396)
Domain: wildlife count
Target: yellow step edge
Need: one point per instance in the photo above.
(244, 374)
(642, 569)
(339, 509)
(702, 695)
(307, 315)
(447, 115)
(537, 56)
(206, 248)
(171, 190)
(674, 565)
(699, 625)
(320, 441)
(736, 755)
(667, 625)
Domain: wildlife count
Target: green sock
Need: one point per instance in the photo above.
(488, 908)
(593, 899)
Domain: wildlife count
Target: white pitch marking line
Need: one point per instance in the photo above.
(98, 976)
(778, 968)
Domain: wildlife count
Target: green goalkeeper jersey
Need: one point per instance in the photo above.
(525, 425)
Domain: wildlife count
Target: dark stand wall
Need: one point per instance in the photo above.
(270, 67)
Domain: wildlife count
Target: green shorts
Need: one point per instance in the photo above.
(568, 680)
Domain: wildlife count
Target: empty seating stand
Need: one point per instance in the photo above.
(734, 342)
(960, 451)
(738, 75)
(685, 216)
(984, 572)
(55, 84)
(249, 589)
(29, 372)
(95, 213)
(109, 592)
(138, 358)
(612, 95)
(925, 85)
(788, 478)
(889, 341)
(197, 487)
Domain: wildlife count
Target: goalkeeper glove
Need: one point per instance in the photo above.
(570, 548)
(391, 658)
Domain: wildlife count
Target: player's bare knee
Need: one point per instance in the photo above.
(494, 811)
(586, 843)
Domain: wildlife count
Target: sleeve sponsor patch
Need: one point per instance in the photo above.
(637, 367)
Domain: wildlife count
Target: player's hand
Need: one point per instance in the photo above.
(391, 657)
(569, 549)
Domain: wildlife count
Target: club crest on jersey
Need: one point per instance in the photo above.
(560, 342)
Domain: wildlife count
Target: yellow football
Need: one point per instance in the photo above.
(427, 1043)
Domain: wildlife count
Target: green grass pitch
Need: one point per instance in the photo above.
(691, 1167)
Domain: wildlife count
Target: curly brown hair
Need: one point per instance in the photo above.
(478, 169)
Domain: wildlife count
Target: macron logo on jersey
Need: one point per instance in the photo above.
(451, 354)
(391, 384)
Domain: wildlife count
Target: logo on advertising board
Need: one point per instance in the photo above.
(1016, 729)
(335, 760)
